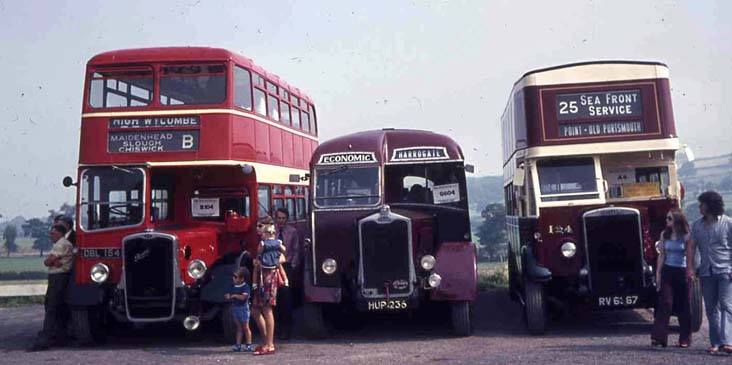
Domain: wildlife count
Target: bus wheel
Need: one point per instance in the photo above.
(228, 323)
(313, 323)
(462, 323)
(696, 306)
(535, 307)
(85, 324)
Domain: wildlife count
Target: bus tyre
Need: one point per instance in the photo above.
(696, 306)
(228, 323)
(462, 323)
(84, 324)
(535, 307)
(313, 323)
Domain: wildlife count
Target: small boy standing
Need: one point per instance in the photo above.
(239, 296)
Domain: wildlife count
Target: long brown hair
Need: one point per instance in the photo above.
(681, 225)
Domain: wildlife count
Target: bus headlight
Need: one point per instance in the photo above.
(196, 269)
(329, 266)
(569, 249)
(434, 280)
(99, 273)
(427, 262)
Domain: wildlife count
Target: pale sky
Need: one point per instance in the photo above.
(446, 66)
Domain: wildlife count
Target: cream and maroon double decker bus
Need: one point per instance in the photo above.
(182, 149)
(589, 173)
(390, 228)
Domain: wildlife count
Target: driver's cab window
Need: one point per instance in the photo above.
(161, 198)
(214, 206)
(440, 184)
(634, 176)
(417, 189)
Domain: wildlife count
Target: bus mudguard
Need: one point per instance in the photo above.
(456, 264)
(78, 294)
(531, 269)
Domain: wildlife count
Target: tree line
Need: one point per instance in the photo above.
(36, 228)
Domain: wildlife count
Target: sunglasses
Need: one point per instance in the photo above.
(669, 219)
(259, 225)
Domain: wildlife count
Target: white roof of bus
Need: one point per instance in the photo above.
(596, 71)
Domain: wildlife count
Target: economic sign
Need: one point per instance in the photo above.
(346, 158)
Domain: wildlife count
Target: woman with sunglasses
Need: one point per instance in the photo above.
(671, 281)
(264, 297)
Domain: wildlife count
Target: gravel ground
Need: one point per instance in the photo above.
(591, 338)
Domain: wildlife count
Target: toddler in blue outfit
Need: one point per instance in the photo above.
(271, 256)
(239, 297)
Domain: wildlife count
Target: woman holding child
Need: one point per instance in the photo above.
(266, 279)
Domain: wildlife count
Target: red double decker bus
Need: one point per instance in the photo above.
(182, 149)
(589, 173)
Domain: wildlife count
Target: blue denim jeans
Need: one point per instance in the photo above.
(717, 292)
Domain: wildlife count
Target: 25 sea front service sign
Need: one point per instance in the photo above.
(597, 105)
(153, 141)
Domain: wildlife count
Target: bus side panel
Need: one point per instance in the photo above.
(456, 263)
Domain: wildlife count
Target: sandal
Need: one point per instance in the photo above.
(727, 349)
(713, 350)
(265, 351)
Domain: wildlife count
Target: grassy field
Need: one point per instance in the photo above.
(21, 264)
(492, 275)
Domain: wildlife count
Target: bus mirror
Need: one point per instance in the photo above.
(469, 168)
(68, 181)
(518, 177)
(689, 153)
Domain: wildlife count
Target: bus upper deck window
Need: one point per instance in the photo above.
(120, 88)
(260, 105)
(192, 84)
(242, 88)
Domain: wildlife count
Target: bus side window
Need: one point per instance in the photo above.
(242, 88)
(279, 203)
(263, 201)
(300, 211)
(291, 207)
(260, 105)
(307, 200)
